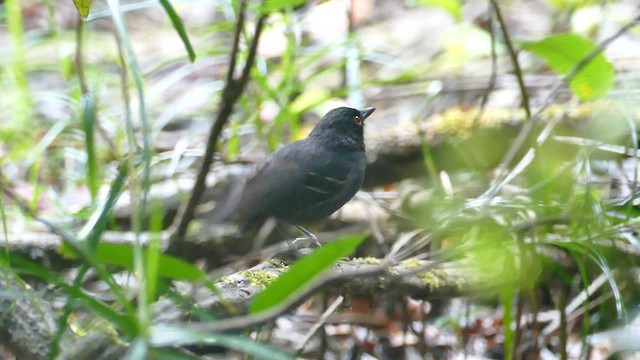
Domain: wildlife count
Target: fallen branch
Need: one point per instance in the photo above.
(30, 335)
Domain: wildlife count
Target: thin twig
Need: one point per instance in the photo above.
(535, 326)
(514, 59)
(82, 79)
(517, 332)
(235, 48)
(323, 320)
(494, 70)
(84, 87)
(232, 91)
(253, 50)
(124, 91)
(563, 333)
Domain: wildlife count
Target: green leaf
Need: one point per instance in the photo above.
(83, 7)
(304, 272)
(122, 255)
(277, 5)
(453, 7)
(564, 52)
(168, 266)
(171, 335)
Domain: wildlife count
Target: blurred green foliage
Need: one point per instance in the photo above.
(550, 225)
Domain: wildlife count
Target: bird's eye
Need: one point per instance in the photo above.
(357, 120)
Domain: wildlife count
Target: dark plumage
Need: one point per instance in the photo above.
(307, 180)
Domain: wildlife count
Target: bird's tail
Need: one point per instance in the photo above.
(226, 207)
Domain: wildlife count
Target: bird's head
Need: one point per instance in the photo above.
(343, 126)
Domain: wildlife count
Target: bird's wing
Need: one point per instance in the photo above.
(268, 192)
(322, 186)
(293, 180)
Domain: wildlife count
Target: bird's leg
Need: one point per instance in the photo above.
(308, 236)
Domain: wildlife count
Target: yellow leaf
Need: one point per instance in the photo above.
(83, 7)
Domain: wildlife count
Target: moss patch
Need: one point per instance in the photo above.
(436, 278)
(368, 260)
(259, 278)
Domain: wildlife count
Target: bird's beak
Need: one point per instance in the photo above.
(366, 112)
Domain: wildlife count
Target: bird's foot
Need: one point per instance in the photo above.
(308, 237)
(306, 242)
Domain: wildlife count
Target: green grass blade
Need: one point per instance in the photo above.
(608, 273)
(132, 64)
(5, 227)
(138, 350)
(88, 122)
(17, 72)
(507, 297)
(168, 335)
(97, 222)
(177, 24)
(170, 354)
(154, 251)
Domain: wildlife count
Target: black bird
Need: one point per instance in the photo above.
(307, 180)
